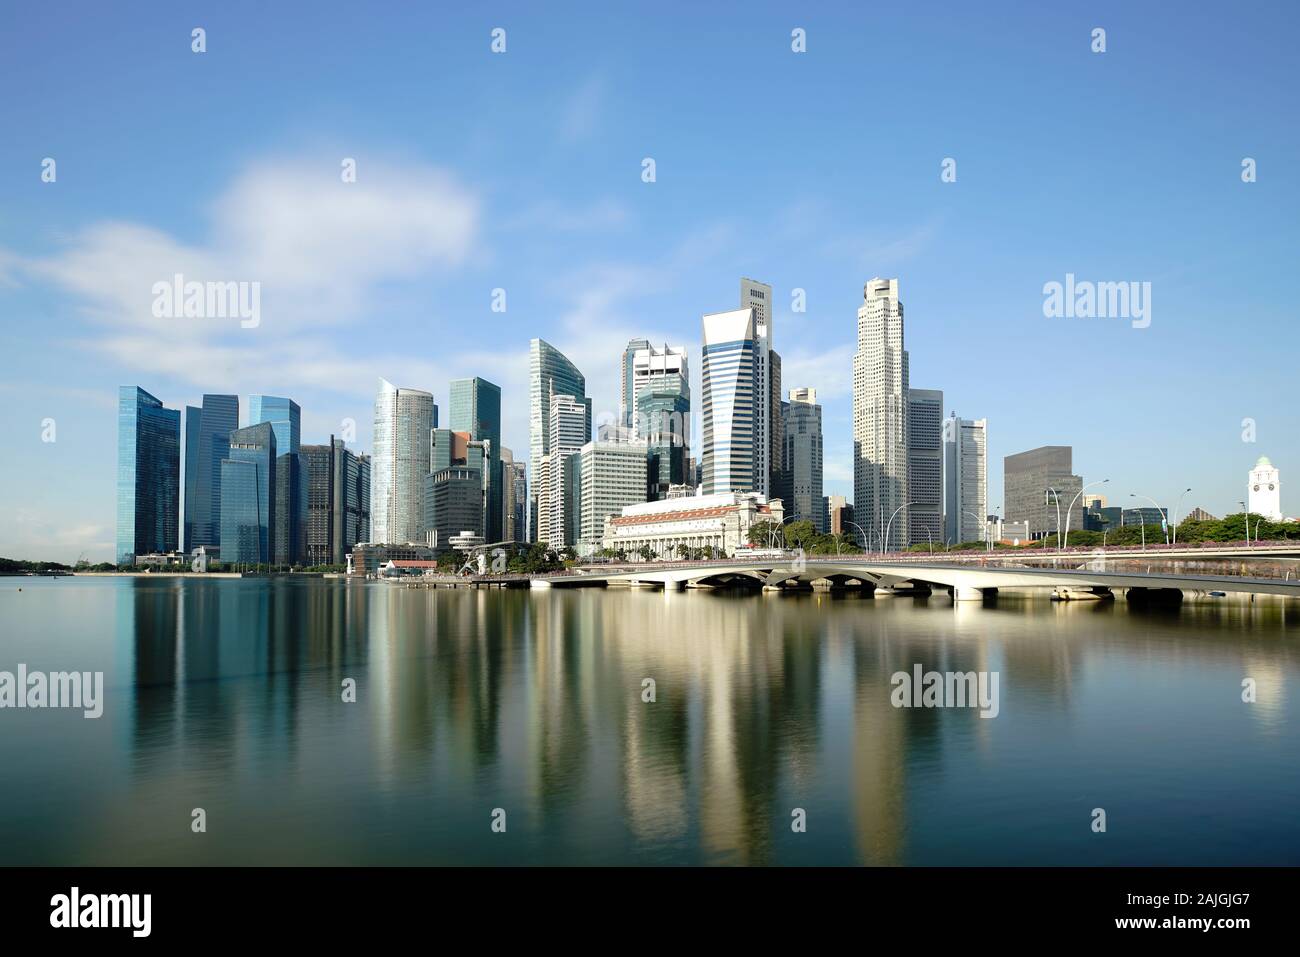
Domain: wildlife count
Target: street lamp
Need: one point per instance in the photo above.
(1246, 512)
(967, 511)
(866, 539)
(884, 543)
(1056, 496)
(1176, 510)
(1071, 508)
(1144, 524)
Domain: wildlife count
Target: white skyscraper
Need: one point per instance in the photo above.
(655, 368)
(880, 387)
(404, 419)
(802, 460)
(729, 380)
(1264, 490)
(768, 444)
(965, 479)
(557, 478)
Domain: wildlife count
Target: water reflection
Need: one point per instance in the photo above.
(532, 701)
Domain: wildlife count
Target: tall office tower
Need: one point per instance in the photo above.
(557, 498)
(148, 475)
(730, 383)
(549, 373)
(768, 445)
(666, 369)
(476, 409)
(289, 538)
(611, 475)
(925, 466)
(207, 443)
(248, 496)
(626, 391)
(455, 461)
(802, 459)
(509, 527)
(357, 528)
(965, 479)
(335, 501)
(519, 499)
(1264, 490)
(880, 387)
(403, 420)
(1034, 482)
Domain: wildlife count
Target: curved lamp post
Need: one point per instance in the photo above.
(1144, 524)
(1177, 507)
(1071, 508)
(884, 544)
(866, 539)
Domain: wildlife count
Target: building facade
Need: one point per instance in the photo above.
(839, 516)
(476, 409)
(730, 406)
(1034, 482)
(404, 418)
(611, 476)
(207, 443)
(925, 466)
(718, 522)
(626, 387)
(965, 479)
(148, 475)
(249, 488)
(880, 387)
(549, 373)
(802, 461)
(557, 494)
(289, 536)
(338, 501)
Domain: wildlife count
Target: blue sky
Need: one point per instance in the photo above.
(522, 171)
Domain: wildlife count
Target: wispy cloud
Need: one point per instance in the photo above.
(580, 113)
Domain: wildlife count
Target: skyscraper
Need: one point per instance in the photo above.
(207, 443)
(549, 373)
(404, 419)
(661, 413)
(732, 395)
(965, 479)
(611, 475)
(148, 475)
(338, 501)
(557, 497)
(802, 459)
(514, 498)
(925, 466)
(880, 387)
(476, 409)
(289, 524)
(249, 489)
(768, 444)
(626, 390)
(1034, 482)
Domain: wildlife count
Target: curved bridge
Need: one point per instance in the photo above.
(966, 582)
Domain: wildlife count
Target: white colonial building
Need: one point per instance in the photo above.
(721, 521)
(1264, 490)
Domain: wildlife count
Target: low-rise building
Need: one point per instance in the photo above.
(720, 521)
(368, 558)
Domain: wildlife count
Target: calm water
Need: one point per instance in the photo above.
(225, 695)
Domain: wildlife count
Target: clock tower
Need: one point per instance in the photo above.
(1264, 490)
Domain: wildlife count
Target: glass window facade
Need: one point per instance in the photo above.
(148, 475)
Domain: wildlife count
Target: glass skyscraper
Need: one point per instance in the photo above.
(338, 501)
(476, 409)
(248, 496)
(289, 536)
(207, 443)
(148, 475)
(404, 419)
(549, 373)
(732, 392)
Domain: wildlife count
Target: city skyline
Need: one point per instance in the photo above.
(589, 256)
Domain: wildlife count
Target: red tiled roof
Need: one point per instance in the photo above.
(716, 511)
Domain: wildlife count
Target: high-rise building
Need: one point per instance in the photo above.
(1264, 490)
(558, 496)
(207, 443)
(338, 501)
(249, 487)
(549, 373)
(839, 516)
(514, 497)
(925, 466)
(289, 536)
(880, 387)
(802, 460)
(768, 444)
(403, 420)
(476, 409)
(965, 479)
(611, 475)
(626, 388)
(1034, 483)
(732, 395)
(148, 475)
(460, 481)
